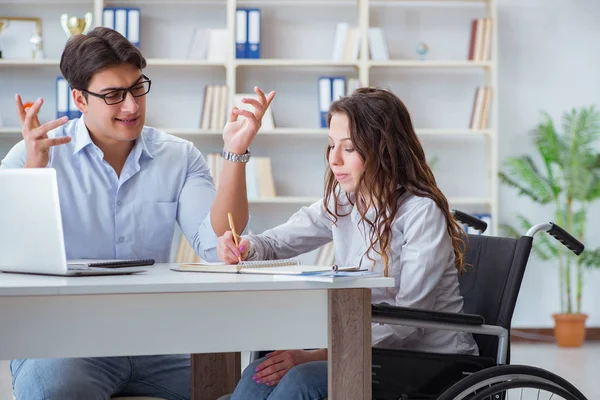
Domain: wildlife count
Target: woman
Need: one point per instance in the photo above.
(382, 209)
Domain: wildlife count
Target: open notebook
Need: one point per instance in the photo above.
(290, 266)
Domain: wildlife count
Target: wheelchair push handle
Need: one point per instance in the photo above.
(470, 220)
(566, 238)
(559, 234)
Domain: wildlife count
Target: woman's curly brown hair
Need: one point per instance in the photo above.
(382, 133)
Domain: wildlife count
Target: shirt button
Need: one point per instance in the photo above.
(121, 239)
(119, 202)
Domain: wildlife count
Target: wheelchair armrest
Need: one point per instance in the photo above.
(386, 310)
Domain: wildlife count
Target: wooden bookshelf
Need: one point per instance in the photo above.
(182, 80)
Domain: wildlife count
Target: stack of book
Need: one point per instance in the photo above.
(481, 108)
(481, 35)
(259, 175)
(215, 107)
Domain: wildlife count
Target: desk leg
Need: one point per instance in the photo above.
(349, 344)
(214, 374)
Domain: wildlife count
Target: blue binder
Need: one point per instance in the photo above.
(331, 88)
(62, 97)
(253, 36)
(126, 21)
(241, 33)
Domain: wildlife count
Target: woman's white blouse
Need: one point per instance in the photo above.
(421, 260)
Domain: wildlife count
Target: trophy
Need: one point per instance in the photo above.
(36, 41)
(75, 26)
(36, 38)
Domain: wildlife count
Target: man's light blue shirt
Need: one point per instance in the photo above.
(165, 180)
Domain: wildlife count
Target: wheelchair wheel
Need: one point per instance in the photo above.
(523, 389)
(476, 383)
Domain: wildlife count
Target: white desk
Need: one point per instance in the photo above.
(217, 315)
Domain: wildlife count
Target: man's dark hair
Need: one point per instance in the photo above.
(84, 55)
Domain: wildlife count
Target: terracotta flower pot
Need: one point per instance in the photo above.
(569, 329)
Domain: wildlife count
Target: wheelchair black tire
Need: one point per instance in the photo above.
(550, 388)
(498, 373)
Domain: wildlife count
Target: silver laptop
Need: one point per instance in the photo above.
(31, 232)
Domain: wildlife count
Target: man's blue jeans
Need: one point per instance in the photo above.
(166, 377)
(302, 382)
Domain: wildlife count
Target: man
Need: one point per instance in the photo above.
(122, 187)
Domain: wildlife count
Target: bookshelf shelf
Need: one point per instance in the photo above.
(421, 3)
(10, 132)
(159, 62)
(190, 132)
(29, 63)
(304, 3)
(470, 201)
(163, 2)
(454, 132)
(44, 2)
(429, 64)
(166, 62)
(276, 131)
(275, 62)
(10, 129)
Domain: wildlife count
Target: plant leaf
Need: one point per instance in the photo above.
(590, 258)
(523, 175)
(581, 129)
(549, 146)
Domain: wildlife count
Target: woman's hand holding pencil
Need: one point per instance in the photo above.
(232, 248)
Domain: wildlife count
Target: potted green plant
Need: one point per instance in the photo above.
(568, 180)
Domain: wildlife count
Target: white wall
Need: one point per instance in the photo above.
(548, 61)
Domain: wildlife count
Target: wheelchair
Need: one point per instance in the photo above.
(490, 286)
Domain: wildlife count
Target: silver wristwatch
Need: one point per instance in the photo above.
(243, 158)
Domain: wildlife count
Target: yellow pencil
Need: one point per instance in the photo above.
(235, 235)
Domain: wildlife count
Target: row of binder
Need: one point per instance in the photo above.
(126, 21)
(247, 33)
(65, 106)
(331, 88)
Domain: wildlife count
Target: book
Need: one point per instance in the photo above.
(198, 49)
(377, 45)
(331, 276)
(339, 41)
(291, 266)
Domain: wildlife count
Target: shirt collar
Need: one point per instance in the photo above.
(83, 139)
(82, 136)
(140, 148)
(143, 143)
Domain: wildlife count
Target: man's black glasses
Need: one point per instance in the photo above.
(138, 89)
